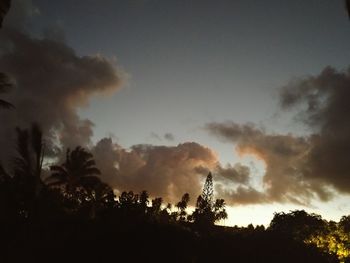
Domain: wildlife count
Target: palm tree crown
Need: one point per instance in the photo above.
(77, 171)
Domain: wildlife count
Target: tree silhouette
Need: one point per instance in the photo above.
(297, 224)
(24, 178)
(182, 206)
(128, 204)
(143, 200)
(4, 8)
(208, 212)
(100, 196)
(5, 85)
(208, 190)
(77, 173)
(345, 223)
(30, 155)
(156, 207)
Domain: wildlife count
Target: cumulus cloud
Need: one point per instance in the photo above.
(299, 169)
(324, 106)
(166, 171)
(50, 83)
(284, 158)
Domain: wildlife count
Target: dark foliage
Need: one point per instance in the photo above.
(4, 8)
(77, 217)
(207, 211)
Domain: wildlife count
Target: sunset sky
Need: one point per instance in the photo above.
(162, 91)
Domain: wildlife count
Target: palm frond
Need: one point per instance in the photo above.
(5, 83)
(6, 105)
(91, 171)
(5, 86)
(58, 168)
(89, 163)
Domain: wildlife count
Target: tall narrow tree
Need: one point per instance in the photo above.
(207, 211)
(208, 190)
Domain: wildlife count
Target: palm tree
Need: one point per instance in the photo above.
(76, 173)
(5, 85)
(4, 80)
(4, 8)
(25, 176)
(29, 161)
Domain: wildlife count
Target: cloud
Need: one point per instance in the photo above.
(238, 174)
(20, 14)
(155, 136)
(242, 195)
(299, 169)
(169, 136)
(324, 106)
(51, 83)
(166, 171)
(284, 157)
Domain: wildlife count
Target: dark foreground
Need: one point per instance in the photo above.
(111, 240)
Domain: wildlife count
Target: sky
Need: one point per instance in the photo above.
(162, 91)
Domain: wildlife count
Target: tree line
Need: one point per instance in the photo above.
(67, 205)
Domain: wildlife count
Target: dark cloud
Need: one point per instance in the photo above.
(238, 173)
(284, 157)
(169, 136)
(51, 83)
(242, 195)
(155, 136)
(299, 169)
(324, 104)
(20, 14)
